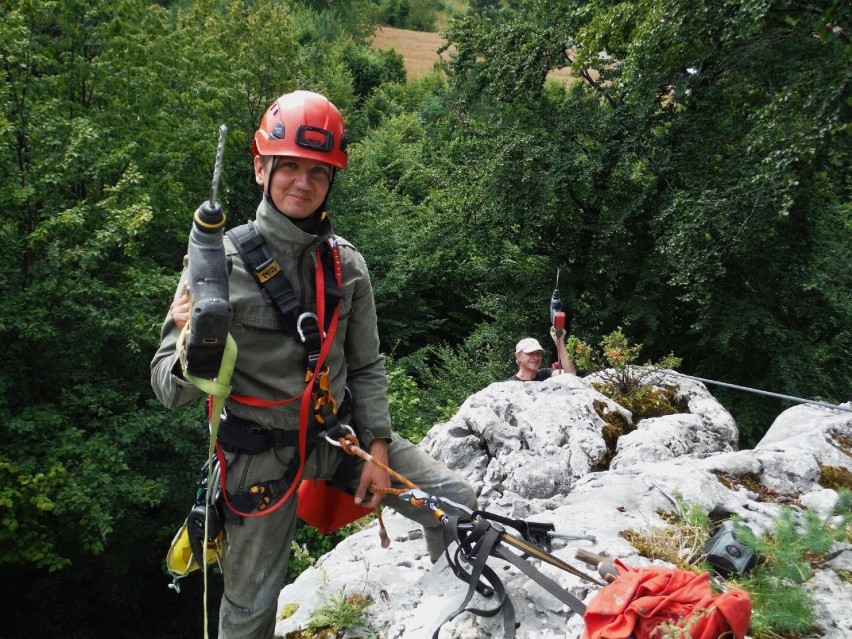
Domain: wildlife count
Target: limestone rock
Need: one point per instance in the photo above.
(536, 451)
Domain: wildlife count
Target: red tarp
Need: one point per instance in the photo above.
(640, 599)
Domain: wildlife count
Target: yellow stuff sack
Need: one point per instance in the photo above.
(180, 560)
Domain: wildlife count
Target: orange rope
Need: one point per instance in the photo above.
(349, 443)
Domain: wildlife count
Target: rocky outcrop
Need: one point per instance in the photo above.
(538, 451)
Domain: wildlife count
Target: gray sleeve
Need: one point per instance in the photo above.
(366, 375)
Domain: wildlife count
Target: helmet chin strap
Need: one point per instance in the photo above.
(269, 163)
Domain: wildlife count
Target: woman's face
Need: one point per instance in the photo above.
(297, 186)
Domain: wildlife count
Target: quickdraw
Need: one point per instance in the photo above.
(477, 537)
(325, 406)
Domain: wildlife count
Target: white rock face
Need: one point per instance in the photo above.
(536, 451)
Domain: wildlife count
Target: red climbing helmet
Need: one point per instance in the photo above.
(302, 124)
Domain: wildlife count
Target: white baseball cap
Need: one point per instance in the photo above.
(528, 345)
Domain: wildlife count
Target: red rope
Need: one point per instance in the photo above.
(326, 343)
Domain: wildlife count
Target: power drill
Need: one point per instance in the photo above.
(557, 315)
(208, 282)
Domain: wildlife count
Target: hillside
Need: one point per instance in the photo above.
(420, 51)
(538, 453)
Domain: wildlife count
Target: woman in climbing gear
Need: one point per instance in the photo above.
(308, 361)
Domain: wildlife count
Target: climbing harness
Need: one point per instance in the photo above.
(218, 389)
(317, 342)
(316, 332)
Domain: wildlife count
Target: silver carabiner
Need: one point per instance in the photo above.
(334, 442)
(214, 489)
(299, 321)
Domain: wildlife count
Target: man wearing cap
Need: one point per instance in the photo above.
(528, 355)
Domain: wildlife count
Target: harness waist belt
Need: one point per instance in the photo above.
(252, 438)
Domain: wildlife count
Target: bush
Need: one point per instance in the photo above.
(622, 380)
(405, 410)
(782, 604)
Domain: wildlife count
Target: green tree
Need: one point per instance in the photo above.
(109, 114)
(749, 234)
(698, 172)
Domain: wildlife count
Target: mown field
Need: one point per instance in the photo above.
(420, 51)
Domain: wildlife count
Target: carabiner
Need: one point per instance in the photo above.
(334, 442)
(299, 321)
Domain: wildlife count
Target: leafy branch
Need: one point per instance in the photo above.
(614, 364)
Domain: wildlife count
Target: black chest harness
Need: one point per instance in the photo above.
(277, 289)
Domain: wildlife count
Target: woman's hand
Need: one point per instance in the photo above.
(373, 476)
(179, 309)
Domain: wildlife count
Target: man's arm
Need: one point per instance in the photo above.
(562, 353)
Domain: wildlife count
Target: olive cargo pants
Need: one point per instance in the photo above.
(256, 553)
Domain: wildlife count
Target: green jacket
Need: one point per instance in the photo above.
(270, 363)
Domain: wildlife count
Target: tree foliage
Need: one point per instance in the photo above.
(718, 187)
(108, 127)
(690, 183)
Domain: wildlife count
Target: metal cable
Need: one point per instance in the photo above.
(791, 398)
